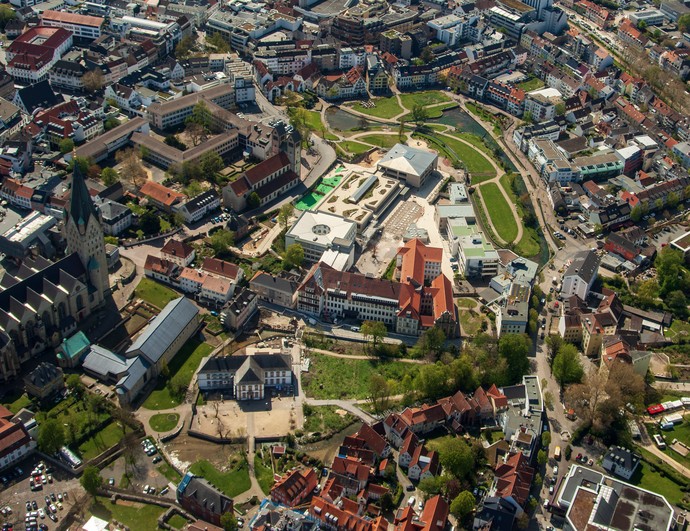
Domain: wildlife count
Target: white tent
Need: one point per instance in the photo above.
(95, 524)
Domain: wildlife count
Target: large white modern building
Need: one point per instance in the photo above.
(318, 232)
(580, 275)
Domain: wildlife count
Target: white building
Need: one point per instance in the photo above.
(448, 29)
(318, 232)
(81, 26)
(412, 165)
(581, 274)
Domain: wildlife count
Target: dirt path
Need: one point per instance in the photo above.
(668, 460)
(362, 357)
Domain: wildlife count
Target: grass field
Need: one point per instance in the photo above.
(529, 244)
(177, 521)
(154, 293)
(169, 472)
(101, 441)
(678, 330)
(16, 402)
(325, 419)
(466, 303)
(475, 161)
(133, 515)
(432, 112)
(331, 377)
(426, 98)
(385, 141)
(531, 84)
(471, 322)
(232, 483)
(499, 211)
(354, 147)
(385, 108)
(185, 362)
(476, 141)
(648, 478)
(164, 421)
(264, 474)
(314, 120)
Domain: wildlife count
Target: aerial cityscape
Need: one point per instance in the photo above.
(344, 265)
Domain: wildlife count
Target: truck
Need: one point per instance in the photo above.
(557, 453)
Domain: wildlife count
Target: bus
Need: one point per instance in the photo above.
(557, 453)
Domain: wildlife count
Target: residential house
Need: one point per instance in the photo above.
(44, 381)
(115, 217)
(293, 488)
(513, 480)
(580, 275)
(15, 442)
(160, 196)
(621, 462)
(198, 207)
(239, 310)
(202, 499)
(275, 289)
(160, 269)
(179, 253)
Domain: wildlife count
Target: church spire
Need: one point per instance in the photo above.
(81, 206)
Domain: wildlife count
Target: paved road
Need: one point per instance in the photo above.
(355, 357)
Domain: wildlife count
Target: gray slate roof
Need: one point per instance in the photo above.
(585, 264)
(163, 330)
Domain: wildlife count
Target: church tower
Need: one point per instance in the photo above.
(84, 236)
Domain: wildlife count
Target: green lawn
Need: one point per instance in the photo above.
(471, 322)
(426, 98)
(499, 211)
(264, 474)
(678, 330)
(475, 161)
(232, 483)
(466, 303)
(177, 521)
(385, 108)
(16, 402)
(325, 419)
(648, 478)
(529, 244)
(155, 293)
(316, 125)
(354, 147)
(164, 421)
(476, 141)
(432, 112)
(169, 472)
(531, 84)
(384, 141)
(133, 515)
(331, 377)
(185, 362)
(101, 441)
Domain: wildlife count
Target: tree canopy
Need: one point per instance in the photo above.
(514, 348)
(51, 436)
(91, 480)
(456, 457)
(462, 505)
(221, 240)
(376, 330)
(66, 145)
(567, 367)
(109, 176)
(294, 255)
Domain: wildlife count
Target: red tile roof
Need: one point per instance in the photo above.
(160, 193)
(415, 254)
(177, 248)
(72, 18)
(220, 267)
(514, 478)
(269, 166)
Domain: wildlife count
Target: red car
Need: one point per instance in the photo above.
(656, 409)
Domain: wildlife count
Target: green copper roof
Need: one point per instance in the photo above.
(75, 345)
(81, 206)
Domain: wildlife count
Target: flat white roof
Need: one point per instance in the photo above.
(321, 228)
(546, 92)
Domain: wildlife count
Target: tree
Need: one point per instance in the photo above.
(51, 436)
(184, 47)
(149, 223)
(91, 480)
(177, 385)
(130, 451)
(7, 13)
(284, 214)
(211, 163)
(218, 42)
(75, 386)
(672, 200)
(636, 213)
(111, 123)
(542, 457)
(419, 114)
(427, 54)
(684, 22)
(560, 109)
(585, 398)
(401, 130)
(461, 507)
(668, 269)
(546, 439)
(641, 25)
(432, 341)
(196, 132)
(193, 189)
(201, 115)
(379, 391)
(386, 502)
(109, 176)
(567, 367)
(66, 145)
(432, 485)
(228, 521)
(677, 303)
(299, 119)
(375, 330)
(456, 457)
(294, 255)
(647, 292)
(254, 200)
(93, 80)
(553, 343)
(221, 240)
(432, 380)
(514, 348)
(130, 165)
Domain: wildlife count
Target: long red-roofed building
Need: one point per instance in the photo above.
(31, 55)
(294, 487)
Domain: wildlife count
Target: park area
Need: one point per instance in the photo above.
(132, 514)
(330, 377)
(171, 389)
(232, 479)
(154, 293)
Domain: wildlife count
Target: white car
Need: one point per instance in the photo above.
(146, 489)
(41, 513)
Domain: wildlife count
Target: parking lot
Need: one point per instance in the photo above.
(19, 497)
